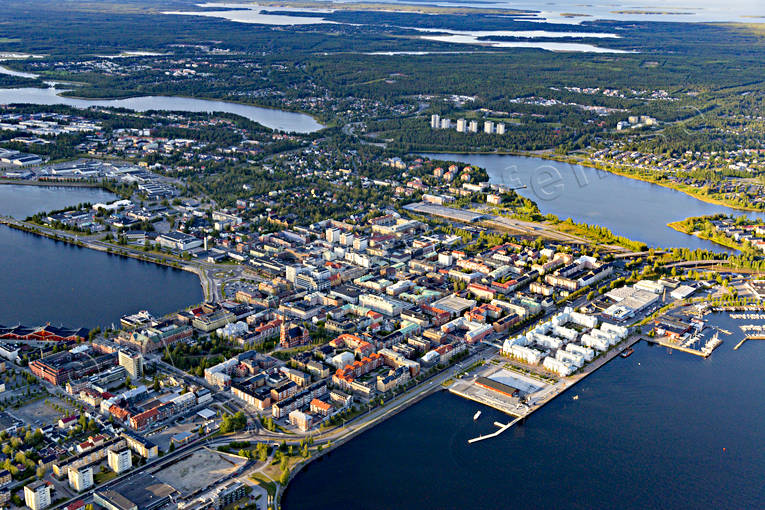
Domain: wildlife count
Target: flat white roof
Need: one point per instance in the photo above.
(206, 413)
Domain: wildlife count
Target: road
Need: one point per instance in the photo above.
(342, 433)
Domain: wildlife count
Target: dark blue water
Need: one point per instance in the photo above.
(21, 201)
(48, 281)
(635, 209)
(646, 432)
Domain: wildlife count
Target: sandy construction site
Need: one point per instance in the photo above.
(200, 469)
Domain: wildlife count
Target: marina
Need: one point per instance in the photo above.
(688, 345)
(748, 316)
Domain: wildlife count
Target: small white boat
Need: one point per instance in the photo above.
(476, 415)
(576, 397)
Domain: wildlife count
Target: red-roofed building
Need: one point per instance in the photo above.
(438, 317)
(320, 407)
(120, 413)
(481, 291)
(506, 287)
(75, 505)
(142, 420)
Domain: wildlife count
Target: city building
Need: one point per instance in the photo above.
(5, 477)
(37, 495)
(120, 460)
(81, 478)
(292, 335)
(228, 493)
(132, 361)
(137, 492)
(179, 241)
(142, 446)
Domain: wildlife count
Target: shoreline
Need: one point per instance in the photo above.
(590, 164)
(63, 93)
(567, 385)
(53, 184)
(622, 173)
(280, 491)
(23, 226)
(675, 225)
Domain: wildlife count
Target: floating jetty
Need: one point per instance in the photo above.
(759, 328)
(739, 308)
(502, 428)
(748, 337)
(748, 316)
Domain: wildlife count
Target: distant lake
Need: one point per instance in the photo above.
(271, 118)
(484, 37)
(50, 281)
(556, 11)
(11, 72)
(259, 14)
(250, 13)
(561, 11)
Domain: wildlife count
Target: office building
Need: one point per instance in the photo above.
(133, 363)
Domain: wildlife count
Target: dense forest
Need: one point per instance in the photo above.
(709, 75)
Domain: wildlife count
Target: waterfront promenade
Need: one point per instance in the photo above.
(510, 405)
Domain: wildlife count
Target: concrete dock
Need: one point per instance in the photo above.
(545, 393)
